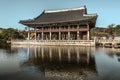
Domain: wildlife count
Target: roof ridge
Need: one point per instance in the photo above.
(62, 10)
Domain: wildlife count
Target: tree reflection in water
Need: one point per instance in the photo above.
(4, 45)
(7, 47)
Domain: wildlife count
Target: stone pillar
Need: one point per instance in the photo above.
(38, 37)
(88, 32)
(88, 35)
(78, 36)
(28, 33)
(68, 32)
(59, 35)
(35, 33)
(68, 35)
(50, 35)
(42, 34)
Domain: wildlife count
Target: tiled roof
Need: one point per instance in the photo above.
(60, 16)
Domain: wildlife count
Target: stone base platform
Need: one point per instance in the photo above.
(54, 42)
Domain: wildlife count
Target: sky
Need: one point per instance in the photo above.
(12, 11)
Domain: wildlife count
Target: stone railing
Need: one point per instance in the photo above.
(62, 30)
(109, 41)
(55, 42)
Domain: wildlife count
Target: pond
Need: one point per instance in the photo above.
(59, 63)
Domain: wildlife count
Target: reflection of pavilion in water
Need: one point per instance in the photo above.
(56, 61)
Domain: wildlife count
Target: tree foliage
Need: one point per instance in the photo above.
(99, 32)
(117, 29)
(111, 29)
(10, 33)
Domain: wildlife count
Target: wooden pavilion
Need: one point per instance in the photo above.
(61, 25)
(67, 24)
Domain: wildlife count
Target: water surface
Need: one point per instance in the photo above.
(59, 63)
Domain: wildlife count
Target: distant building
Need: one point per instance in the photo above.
(67, 24)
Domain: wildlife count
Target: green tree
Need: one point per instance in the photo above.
(110, 29)
(10, 33)
(117, 29)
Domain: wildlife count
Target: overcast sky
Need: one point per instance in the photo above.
(11, 11)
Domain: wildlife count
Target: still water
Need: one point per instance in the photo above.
(59, 63)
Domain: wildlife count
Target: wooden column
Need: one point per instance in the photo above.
(28, 33)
